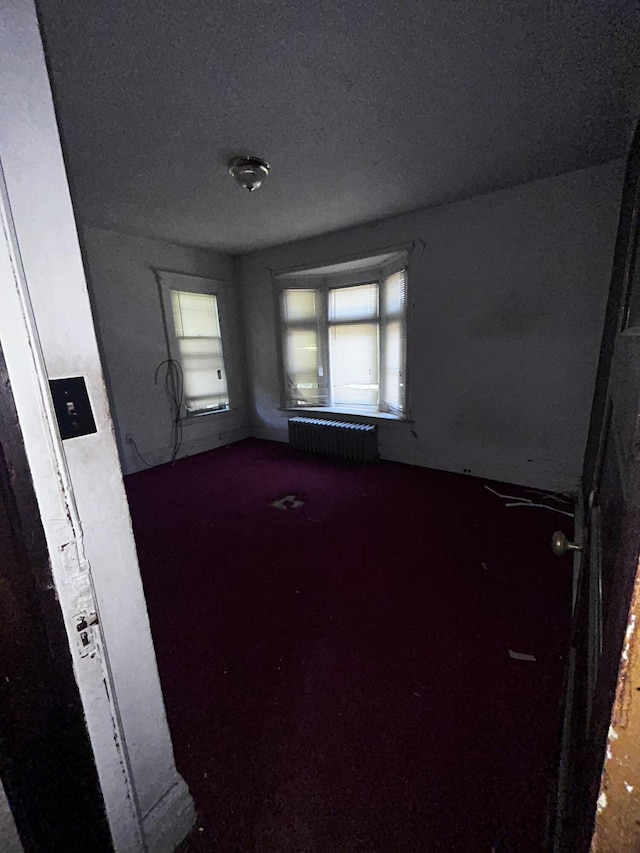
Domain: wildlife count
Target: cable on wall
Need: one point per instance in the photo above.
(174, 388)
(131, 441)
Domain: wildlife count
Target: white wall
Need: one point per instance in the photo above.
(46, 331)
(127, 311)
(507, 292)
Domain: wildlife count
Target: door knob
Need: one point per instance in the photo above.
(560, 544)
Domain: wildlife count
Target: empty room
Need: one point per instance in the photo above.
(354, 272)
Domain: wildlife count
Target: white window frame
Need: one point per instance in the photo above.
(169, 280)
(323, 280)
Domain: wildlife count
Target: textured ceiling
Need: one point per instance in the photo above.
(364, 108)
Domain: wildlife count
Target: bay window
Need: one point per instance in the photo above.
(343, 339)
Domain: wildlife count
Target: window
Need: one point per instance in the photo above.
(343, 340)
(195, 341)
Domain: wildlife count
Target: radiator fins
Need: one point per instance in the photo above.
(354, 442)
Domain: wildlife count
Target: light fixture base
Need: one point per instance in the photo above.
(249, 172)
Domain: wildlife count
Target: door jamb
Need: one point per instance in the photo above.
(70, 567)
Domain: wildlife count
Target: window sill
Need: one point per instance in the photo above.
(194, 419)
(334, 410)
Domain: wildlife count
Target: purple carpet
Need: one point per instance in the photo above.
(336, 667)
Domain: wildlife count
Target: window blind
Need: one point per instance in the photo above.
(304, 374)
(353, 346)
(197, 331)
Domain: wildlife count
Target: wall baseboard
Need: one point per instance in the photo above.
(160, 456)
(544, 475)
(171, 819)
(269, 434)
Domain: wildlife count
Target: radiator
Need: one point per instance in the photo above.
(357, 442)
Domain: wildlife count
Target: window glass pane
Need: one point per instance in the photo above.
(353, 303)
(302, 382)
(205, 384)
(197, 329)
(354, 364)
(394, 293)
(299, 305)
(302, 350)
(195, 314)
(393, 367)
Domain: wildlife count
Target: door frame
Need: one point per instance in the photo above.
(601, 664)
(70, 568)
(48, 332)
(47, 765)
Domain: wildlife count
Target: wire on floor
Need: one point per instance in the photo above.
(517, 500)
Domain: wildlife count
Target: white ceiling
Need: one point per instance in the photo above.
(364, 108)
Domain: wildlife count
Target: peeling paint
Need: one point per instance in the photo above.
(602, 801)
(627, 637)
(617, 826)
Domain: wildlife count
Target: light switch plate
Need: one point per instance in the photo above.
(73, 409)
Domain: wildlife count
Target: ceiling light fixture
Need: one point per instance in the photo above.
(249, 172)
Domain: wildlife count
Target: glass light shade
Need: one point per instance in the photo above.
(249, 172)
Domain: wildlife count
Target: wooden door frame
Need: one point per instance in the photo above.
(70, 569)
(50, 777)
(48, 332)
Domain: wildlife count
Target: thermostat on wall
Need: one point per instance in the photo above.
(73, 409)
